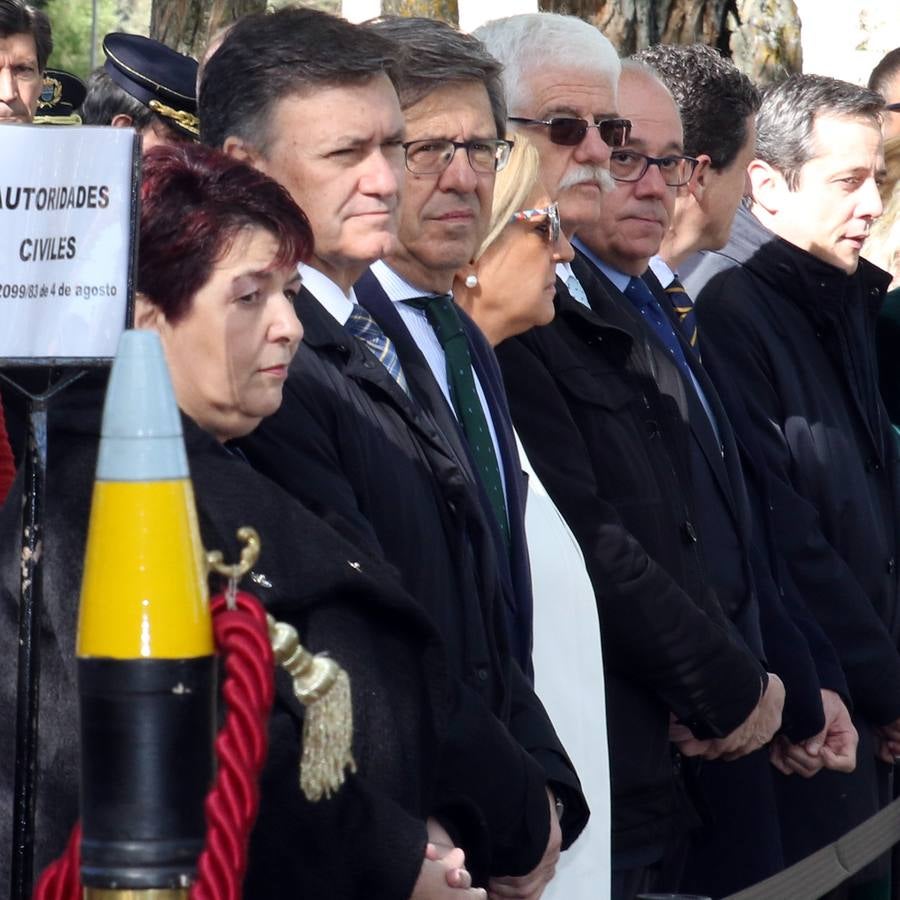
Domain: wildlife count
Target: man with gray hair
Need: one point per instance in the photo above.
(600, 406)
(787, 315)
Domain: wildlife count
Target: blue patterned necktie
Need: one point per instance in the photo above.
(443, 318)
(684, 308)
(644, 300)
(362, 326)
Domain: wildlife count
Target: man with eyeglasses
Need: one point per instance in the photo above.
(635, 218)
(453, 103)
(718, 105)
(601, 403)
(310, 99)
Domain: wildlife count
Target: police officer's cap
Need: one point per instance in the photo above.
(60, 98)
(156, 75)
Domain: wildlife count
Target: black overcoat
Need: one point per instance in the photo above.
(585, 402)
(350, 444)
(369, 839)
(793, 336)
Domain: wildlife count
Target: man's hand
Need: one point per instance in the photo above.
(834, 747)
(433, 883)
(443, 875)
(888, 749)
(531, 886)
(756, 731)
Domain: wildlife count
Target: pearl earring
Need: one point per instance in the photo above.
(471, 281)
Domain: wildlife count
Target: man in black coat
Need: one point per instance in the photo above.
(600, 407)
(718, 106)
(351, 439)
(787, 312)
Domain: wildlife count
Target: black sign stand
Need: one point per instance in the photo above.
(31, 601)
(28, 670)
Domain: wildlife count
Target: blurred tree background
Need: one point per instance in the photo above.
(762, 36)
(72, 26)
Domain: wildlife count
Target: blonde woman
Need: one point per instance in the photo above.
(507, 289)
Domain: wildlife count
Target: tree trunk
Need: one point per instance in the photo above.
(187, 25)
(766, 42)
(635, 24)
(762, 36)
(445, 10)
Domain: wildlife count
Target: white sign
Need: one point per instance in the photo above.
(65, 240)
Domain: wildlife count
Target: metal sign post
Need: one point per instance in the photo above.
(69, 217)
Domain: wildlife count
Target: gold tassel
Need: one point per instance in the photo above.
(323, 688)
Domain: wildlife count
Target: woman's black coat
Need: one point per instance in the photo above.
(369, 839)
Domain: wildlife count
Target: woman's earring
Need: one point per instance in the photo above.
(471, 280)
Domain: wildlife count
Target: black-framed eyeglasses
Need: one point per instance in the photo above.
(548, 214)
(431, 157)
(629, 165)
(569, 131)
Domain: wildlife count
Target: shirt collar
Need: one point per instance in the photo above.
(397, 288)
(564, 271)
(662, 271)
(328, 293)
(619, 279)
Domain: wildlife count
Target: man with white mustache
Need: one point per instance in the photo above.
(601, 405)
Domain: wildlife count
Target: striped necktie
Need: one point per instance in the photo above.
(443, 318)
(684, 308)
(362, 326)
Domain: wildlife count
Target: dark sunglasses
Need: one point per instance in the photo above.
(548, 214)
(569, 131)
(893, 107)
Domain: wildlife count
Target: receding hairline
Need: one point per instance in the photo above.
(304, 91)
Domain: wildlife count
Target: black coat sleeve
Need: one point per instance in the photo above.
(294, 447)
(653, 633)
(487, 776)
(735, 349)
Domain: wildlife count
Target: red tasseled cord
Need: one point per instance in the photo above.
(242, 636)
(7, 462)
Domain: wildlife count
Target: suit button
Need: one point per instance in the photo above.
(689, 532)
(891, 566)
(873, 465)
(652, 428)
(482, 674)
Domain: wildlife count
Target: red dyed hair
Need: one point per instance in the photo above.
(194, 201)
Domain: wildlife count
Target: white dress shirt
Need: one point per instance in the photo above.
(420, 330)
(328, 293)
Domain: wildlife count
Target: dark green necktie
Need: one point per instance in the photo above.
(443, 318)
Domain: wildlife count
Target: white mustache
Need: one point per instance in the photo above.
(583, 173)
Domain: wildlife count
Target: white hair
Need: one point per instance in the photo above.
(531, 41)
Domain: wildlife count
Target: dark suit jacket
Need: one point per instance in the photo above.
(592, 418)
(514, 567)
(768, 615)
(351, 445)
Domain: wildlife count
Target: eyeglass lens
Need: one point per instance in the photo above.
(629, 165)
(430, 157)
(570, 132)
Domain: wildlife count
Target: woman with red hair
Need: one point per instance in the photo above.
(219, 247)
